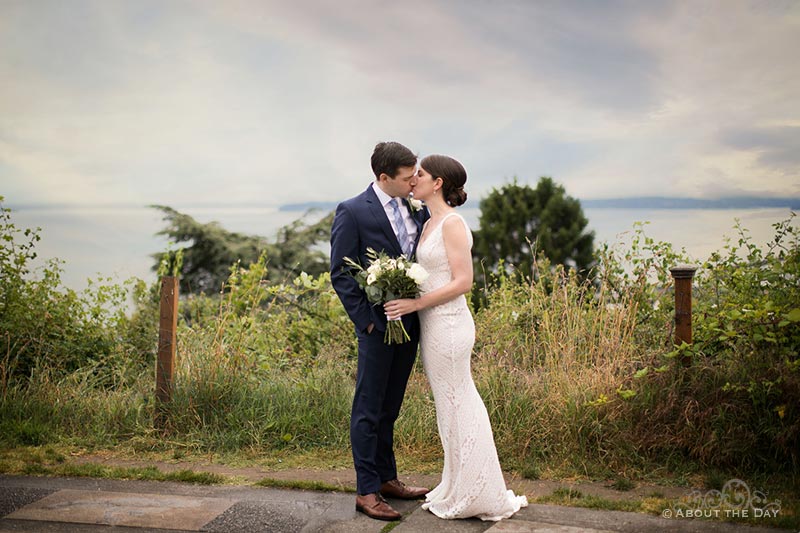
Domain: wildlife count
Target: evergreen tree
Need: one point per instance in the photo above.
(518, 222)
(210, 250)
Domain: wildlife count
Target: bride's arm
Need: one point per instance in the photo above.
(456, 244)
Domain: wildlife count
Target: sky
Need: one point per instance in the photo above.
(266, 102)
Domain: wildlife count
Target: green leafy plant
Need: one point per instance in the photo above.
(44, 325)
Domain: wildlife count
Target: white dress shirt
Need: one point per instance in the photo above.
(385, 200)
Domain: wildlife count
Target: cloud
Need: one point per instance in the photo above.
(272, 102)
(776, 146)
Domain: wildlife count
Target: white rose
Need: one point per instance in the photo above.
(400, 264)
(374, 268)
(416, 205)
(417, 273)
(392, 263)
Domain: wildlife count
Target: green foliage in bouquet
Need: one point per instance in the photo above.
(387, 279)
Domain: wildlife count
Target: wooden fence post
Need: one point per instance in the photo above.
(683, 274)
(167, 336)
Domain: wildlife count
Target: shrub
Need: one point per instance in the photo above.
(735, 405)
(45, 325)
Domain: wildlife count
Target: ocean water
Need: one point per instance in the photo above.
(118, 242)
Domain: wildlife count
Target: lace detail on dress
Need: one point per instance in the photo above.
(472, 481)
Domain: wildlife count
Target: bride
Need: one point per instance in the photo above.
(472, 483)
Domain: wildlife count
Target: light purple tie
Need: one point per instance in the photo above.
(402, 232)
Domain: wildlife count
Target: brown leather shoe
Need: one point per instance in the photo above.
(397, 489)
(374, 506)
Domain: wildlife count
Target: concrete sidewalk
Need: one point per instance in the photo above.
(99, 505)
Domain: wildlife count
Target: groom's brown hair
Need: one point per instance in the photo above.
(390, 156)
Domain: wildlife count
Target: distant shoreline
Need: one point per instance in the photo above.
(639, 202)
(661, 202)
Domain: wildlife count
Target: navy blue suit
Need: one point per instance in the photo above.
(383, 370)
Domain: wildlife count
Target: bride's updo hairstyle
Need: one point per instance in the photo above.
(453, 177)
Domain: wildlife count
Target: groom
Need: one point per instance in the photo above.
(378, 218)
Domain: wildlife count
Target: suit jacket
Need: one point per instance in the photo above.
(361, 223)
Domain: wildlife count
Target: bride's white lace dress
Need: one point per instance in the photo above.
(472, 482)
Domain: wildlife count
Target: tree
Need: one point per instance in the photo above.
(211, 250)
(518, 222)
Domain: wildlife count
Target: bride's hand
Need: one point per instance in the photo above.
(397, 308)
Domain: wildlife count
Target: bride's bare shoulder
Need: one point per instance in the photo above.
(456, 221)
(455, 225)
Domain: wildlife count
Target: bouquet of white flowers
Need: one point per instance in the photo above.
(387, 279)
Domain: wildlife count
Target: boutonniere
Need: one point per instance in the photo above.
(416, 205)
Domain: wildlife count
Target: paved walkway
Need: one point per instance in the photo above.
(45, 504)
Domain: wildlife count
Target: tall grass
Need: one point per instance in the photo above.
(547, 364)
(51, 407)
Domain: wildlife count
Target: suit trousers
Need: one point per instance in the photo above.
(381, 380)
